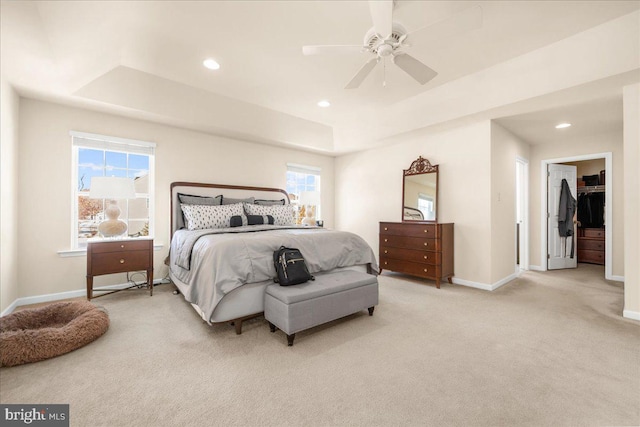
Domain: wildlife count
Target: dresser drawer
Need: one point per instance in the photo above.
(411, 255)
(593, 232)
(413, 268)
(416, 243)
(595, 257)
(409, 230)
(118, 246)
(115, 262)
(591, 244)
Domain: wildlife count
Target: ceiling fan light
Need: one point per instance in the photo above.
(563, 125)
(211, 64)
(324, 103)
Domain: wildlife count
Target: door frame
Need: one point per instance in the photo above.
(524, 231)
(608, 211)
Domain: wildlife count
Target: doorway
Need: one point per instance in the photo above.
(545, 212)
(522, 214)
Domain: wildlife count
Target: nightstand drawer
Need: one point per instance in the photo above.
(119, 246)
(116, 262)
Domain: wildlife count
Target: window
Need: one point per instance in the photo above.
(425, 205)
(303, 182)
(97, 155)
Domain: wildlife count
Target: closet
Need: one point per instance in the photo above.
(590, 215)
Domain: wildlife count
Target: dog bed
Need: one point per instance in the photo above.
(41, 333)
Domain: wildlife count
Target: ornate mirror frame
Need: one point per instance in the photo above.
(421, 166)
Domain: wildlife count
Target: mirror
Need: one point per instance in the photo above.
(420, 191)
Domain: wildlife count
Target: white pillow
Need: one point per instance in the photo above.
(282, 214)
(200, 217)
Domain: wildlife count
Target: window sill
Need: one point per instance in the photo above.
(83, 252)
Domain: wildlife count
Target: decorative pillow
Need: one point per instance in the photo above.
(230, 201)
(282, 214)
(188, 199)
(270, 202)
(238, 220)
(200, 217)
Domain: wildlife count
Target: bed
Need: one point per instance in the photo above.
(223, 271)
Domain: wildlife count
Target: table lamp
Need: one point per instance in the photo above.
(311, 199)
(112, 188)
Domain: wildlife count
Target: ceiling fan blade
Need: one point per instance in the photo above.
(416, 69)
(362, 74)
(332, 49)
(467, 20)
(382, 16)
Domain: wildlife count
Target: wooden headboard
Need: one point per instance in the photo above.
(213, 190)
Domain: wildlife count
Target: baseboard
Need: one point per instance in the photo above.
(635, 315)
(616, 278)
(10, 309)
(63, 295)
(536, 268)
(484, 286)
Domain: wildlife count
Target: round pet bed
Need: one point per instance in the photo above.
(37, 334)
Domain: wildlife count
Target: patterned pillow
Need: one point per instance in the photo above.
(282, 214)
(230, 201)
(189, 199)
(270, 202)
(200, 217)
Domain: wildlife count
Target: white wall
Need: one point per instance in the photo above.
(9, 106)
(369, 190)
(505, 148)
(609, 142)
(631, 100)
(181, 155)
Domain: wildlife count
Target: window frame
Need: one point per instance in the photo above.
(114, 144)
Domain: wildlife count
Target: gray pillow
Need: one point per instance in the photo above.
(188, 199)
(270, 202)
(230, 201)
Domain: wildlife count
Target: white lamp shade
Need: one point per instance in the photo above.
(310, 198)
(111, 187)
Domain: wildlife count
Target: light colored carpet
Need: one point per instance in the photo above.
(547, 349)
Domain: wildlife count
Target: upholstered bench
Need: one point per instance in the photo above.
(330, 296)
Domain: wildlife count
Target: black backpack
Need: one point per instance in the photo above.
(290, 267)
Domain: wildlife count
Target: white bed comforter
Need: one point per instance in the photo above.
(214, 262)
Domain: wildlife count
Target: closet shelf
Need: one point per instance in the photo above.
(591, 189)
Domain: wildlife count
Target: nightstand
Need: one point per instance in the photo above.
(110, 256)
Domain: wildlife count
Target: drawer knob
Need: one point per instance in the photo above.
(385, 229)
(426, 257)
(385, 240)
(122, 246)
(425, 243)
(121, 261)
(385, 263)
(425, 270)
(426, 230)
(385, 252)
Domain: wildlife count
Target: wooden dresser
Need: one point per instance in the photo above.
(419, 249)
(591, 245)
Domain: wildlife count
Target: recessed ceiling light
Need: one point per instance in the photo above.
(211, 64)
(563, 125)
(324, 103)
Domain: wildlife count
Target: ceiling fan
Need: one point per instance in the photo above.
(388, 39)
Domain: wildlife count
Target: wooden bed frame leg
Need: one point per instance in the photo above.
(371, 310)
(238, 324)
(272, 327)
(290, 339)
